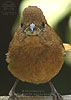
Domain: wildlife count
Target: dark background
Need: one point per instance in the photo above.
(7, 18)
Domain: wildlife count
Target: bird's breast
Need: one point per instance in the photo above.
(35, 62)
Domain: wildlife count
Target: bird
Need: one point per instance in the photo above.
(36, 53)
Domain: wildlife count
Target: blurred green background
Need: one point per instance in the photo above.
(58, 15)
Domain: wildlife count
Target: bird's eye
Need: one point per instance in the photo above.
(21, 24)
(43, 24)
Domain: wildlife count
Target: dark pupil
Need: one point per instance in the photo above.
(43, 24)
(21, 24)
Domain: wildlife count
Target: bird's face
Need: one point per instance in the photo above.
(33, 21)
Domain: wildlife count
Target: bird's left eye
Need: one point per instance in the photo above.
(43, 25)
(21, 24)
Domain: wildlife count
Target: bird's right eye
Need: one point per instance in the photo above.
(21, 24)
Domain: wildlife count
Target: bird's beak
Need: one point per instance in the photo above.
(32, 26)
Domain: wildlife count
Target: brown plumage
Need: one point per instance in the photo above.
(35, 56)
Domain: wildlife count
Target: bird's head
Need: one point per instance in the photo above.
(33, 21)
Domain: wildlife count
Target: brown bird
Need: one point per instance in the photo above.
(36, 53)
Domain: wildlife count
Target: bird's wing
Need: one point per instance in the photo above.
(67, 46)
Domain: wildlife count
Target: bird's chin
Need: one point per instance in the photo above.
(34, 33)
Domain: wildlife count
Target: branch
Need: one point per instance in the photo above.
(65, 97)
